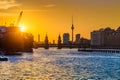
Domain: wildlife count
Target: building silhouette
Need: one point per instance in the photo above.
(66, 38)
(13, 40)
(59, 42)
(77, 41)
(28, 42)
(53, 42)
(84, 43)
(46, 44)
(38, 38)
(105, 38)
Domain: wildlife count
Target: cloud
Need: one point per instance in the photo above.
(49, 5)
(6, 4)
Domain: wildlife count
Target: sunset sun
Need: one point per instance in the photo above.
(22, 28)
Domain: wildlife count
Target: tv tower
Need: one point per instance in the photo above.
(72, 28)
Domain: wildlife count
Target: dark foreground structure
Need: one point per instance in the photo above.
(13, 40)
(106, 38)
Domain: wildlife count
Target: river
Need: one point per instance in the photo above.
(64, 64)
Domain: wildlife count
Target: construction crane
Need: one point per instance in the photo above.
(19, 18)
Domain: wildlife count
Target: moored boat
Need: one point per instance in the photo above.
(3, 59)
(12, 53)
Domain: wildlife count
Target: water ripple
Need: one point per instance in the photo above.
(62, 64)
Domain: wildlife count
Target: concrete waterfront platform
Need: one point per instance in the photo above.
(99, 50)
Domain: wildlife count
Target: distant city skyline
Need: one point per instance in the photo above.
(54, 16)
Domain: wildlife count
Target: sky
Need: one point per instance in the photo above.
(54, 17)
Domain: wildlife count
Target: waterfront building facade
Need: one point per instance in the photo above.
(106, 38)
(66, 38)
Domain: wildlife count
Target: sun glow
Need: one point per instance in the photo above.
(22, 28)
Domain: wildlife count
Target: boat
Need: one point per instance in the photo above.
(85, 50)
(12, 53)
(3, 59)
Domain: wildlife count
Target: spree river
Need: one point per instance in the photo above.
(64, 64)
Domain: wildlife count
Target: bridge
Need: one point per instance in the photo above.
(62, 45)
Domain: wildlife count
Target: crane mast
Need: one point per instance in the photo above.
(19, 18)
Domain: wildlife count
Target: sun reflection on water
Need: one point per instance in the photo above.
(63, 64)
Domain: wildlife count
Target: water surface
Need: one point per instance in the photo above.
(64, 64)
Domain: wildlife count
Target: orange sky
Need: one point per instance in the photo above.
(55, 16)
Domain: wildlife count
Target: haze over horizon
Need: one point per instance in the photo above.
(54, 17)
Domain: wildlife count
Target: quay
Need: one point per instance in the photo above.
(99, 50)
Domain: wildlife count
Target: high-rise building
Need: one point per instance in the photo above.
(77, 38)
(66, 39)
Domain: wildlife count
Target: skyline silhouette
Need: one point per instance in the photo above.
(54, 17)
